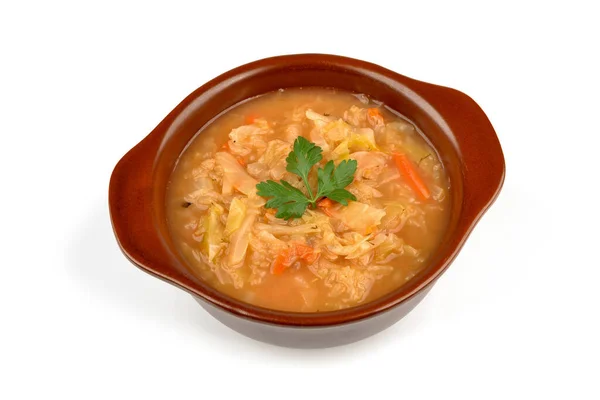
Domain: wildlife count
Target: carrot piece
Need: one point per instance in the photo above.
(290, 255)
(374, 112)
(374, 116)
(325, 206)
(279, 265)
(409, 173)
(303, 251)
(325, 203)
(241, 161)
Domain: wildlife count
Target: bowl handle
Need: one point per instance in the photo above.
(483, 166)
(131, 204)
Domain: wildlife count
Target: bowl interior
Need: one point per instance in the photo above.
(238, 85)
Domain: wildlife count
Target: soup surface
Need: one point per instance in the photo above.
(348, 224)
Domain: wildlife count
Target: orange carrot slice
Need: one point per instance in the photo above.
(374, 116)
(325, 206)
(279, 265)
(298, 251)
(411, 175)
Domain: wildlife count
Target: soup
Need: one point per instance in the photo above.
(308, 200)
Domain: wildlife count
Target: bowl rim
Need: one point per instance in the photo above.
(130, 188)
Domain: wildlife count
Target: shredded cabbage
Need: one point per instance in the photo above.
(341, 152)
(236, 174)
(356, 116)
(248, 138)
(212, 244)
(364, 190)
(237, 213)
(360, 217)
(362, 139)
(355, 285)
(279, 230)
(238, 245)
(320, 120)
(370, 164)
(336, 131)
(274, 158)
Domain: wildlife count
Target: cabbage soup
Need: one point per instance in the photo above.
(308, 200)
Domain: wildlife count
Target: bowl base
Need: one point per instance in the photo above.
(313, 337)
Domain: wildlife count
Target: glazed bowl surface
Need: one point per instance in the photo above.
(456, 126)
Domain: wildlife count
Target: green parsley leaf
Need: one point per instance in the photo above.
(333, 180)
(302, 158)
(289, 201)
(341, 196)
(343, 175)
(324, 177)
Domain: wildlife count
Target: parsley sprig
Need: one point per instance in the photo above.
(291, 202)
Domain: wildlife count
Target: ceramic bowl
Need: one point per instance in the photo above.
(452, 121)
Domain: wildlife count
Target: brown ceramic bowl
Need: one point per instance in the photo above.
(452, 121)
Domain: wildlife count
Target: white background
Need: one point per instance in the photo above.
(516, 315)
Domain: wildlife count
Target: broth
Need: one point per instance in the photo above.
(333, 256)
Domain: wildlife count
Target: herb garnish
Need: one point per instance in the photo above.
(289, 201)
